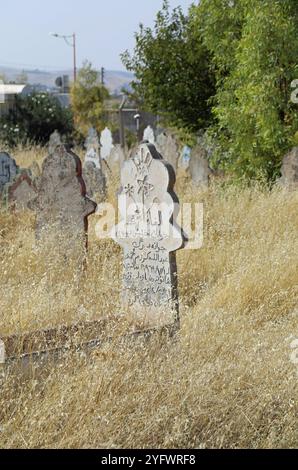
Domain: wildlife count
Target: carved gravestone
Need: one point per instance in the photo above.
(21, 192)
(95, 181)
(185, 157)
(92, 146)
(149, 135)
(168, 147)
(289, 170)
(199, 168)
(61, 205)
(150, 238)
(54, 142)
(2, 353)
(106, 141)
(8, 169)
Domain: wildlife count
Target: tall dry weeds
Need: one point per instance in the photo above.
(225, 381)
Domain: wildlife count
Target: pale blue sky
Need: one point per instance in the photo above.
(105, 28)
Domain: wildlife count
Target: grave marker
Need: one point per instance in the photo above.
(150, 237)
(95, 181)
(54, 142)
(106, 141)
(8, 169)
(92, 146)
(149, 135)
(289, 170)
(168, 147)
(61, 203)
(199, 168)
(21, 192)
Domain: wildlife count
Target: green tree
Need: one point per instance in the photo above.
(87, 97)
(172, 69)
(254, 47)
(34, 119)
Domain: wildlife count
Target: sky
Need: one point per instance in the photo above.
(104, 29)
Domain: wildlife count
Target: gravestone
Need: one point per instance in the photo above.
(8, 169)
(92, 146)
(168, 147)
(116, 159)
(54, 142)
(149, 135)
(199, 168)
(61, 204)
(95, 181)
(21, 192)
(2, 353)
(106, 141)
(185, 157)
(150, 237)
(289, 170)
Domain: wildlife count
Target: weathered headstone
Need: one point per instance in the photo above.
(185, 157)
(21, 192)
(116, 159)
(168, 147)
(92, 146)
(35, 172)
(106, 141)
(95, 181)
(61, 203)
(289, 170)
(149, 135)
(150, 238)
(8, 169)
(54, 142)
(199, 168)
(2, 353)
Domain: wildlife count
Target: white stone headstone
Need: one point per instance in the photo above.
(106, 141)
(150, 238)
(149, 135)
(92, 146)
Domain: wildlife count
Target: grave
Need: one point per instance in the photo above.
(92, 146)
(61, 205)
(199, 168)
(149, 135)
(8, 169)
(54, 142)
(116, 159)
(168, 147)
(289, 170)
(21, 192)
(95, 181)
(150, 237)
(106, 141)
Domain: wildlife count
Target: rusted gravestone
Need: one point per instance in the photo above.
(289, 170)
(150, 237)
(62, 207)
(21, 192)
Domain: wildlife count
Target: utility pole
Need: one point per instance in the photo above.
(73, 44)
(102, 75)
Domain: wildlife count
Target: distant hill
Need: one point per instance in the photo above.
(114, 80)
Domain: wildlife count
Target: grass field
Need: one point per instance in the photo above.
(225, 381)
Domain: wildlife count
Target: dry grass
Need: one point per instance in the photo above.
(227, 379)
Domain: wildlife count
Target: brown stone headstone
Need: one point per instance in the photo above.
(21, 192)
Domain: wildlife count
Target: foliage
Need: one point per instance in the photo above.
(172, 70)
(34, 118)
(254, 47)
(87, 97)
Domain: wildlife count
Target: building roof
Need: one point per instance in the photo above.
(11, 89)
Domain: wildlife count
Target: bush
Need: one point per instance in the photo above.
(34, 119)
